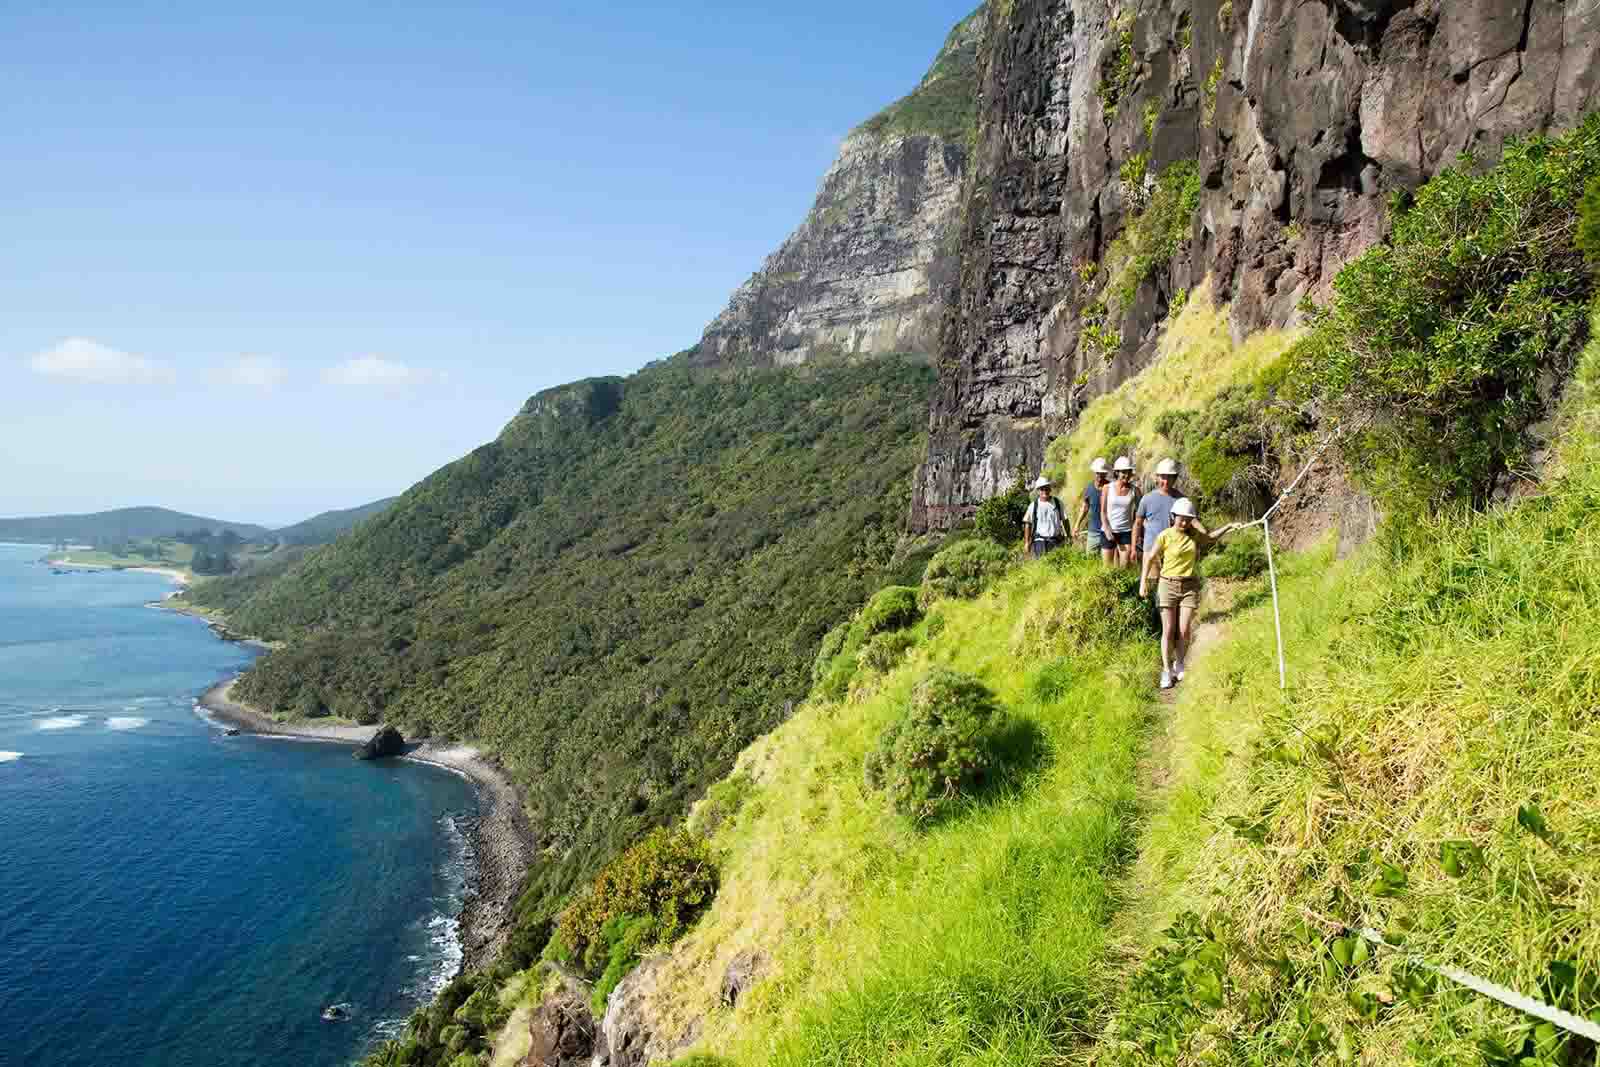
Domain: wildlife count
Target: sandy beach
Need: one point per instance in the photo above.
(501, 839)
(179, 577)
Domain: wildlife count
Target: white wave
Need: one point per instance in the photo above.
(7, 757)
(63, 722)
(126, 722)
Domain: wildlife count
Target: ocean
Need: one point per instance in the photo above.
(174, 897)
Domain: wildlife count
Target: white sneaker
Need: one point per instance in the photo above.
(1177, 671)
(1166, 679)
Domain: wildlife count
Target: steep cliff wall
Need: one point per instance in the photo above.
(1300, 118)
(868, 269)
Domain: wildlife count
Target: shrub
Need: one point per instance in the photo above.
(939, 748)
(624, 940)
(831, 646)
(1588, 239)
(883, 651)
(1154, 235)
(1436, 345)
(963, 569)
(1242, 557)
(891, 608)
(1000, 517)
(722, 802)
(1095, 607)
(669, 876)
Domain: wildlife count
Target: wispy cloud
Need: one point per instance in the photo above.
(251, 372)
(82, 360)
(374, 370)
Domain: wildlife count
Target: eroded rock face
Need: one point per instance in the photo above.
(1302, 117)
(868, 270)
(563, 1029)
(630, 1035)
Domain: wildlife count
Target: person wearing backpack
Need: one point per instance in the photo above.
(1044, 527)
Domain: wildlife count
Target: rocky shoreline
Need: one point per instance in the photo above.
(502, 844)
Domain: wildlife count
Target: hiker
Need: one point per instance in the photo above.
(1155, 508)
(1094, 537)
(1043, 525)
(1178, 550)
(1118, 502)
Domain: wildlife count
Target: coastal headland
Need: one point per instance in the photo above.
(502, 842)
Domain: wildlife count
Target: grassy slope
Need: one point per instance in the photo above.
(1436, 687)
(945, 104)
(976, 941)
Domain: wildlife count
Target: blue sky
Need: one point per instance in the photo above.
(259, 263)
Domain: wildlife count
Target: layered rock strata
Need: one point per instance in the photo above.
(869, 269)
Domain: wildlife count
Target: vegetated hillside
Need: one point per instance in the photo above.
(320, 529)
(119, 526)
(1045, 864)
(614, 596)
(868, 269)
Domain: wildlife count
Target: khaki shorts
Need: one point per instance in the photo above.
(1179, 593)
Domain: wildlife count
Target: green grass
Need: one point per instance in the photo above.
(975, 941)
(164, 553)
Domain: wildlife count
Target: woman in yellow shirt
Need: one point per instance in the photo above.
(1178, 550)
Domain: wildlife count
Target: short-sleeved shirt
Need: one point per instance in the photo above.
(1091, 497)
(1156, 511)
(1179, 552)
(1045, 518)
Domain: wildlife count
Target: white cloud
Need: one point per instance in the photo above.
(374, 370)
(253, 372)
(83, 360)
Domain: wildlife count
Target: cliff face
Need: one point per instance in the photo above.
(1300, 119)
(868, 270)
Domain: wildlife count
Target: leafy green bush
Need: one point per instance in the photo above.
(893, 607)
(669, 877)
(1154, 235)
(938, 748)
(1434, 352)
(625, 940)
(1000, 517)
(963, 569)
(722, 802)
(832, 645)
(1242, 556)
(883, 651)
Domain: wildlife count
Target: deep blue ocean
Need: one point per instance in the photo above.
(174, 897)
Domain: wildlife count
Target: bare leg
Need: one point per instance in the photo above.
(1108, 553)
(1169, 637)
(1185, 631)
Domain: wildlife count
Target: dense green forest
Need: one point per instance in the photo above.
(615, 596)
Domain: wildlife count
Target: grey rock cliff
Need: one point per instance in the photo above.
(867, 271)
(1302, 117)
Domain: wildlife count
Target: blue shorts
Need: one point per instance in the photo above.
(1122, 539)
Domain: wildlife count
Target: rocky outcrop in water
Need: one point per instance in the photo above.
(383, 744)
(867, 271)
(1302, 118)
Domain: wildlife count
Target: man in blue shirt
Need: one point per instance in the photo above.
(1155, 509)
(1089, 508)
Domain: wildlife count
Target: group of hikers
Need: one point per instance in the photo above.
(1123, 525)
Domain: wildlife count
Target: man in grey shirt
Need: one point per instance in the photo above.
(1043, 525)
(1155, 509)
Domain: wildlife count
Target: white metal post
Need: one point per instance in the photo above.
(1277, 621)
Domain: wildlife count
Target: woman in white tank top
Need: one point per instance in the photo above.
(1118, 502)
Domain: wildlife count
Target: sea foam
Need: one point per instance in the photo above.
(63, 722)
(126, 722)
(7, 757)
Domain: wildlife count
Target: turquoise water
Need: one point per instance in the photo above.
(173, 897)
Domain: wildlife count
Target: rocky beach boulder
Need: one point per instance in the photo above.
(386, 742)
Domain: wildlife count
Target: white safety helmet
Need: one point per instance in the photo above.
(1184, 507)
(1098, 466)
(1167, 468)
(1123, 463)
(1043, 483)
